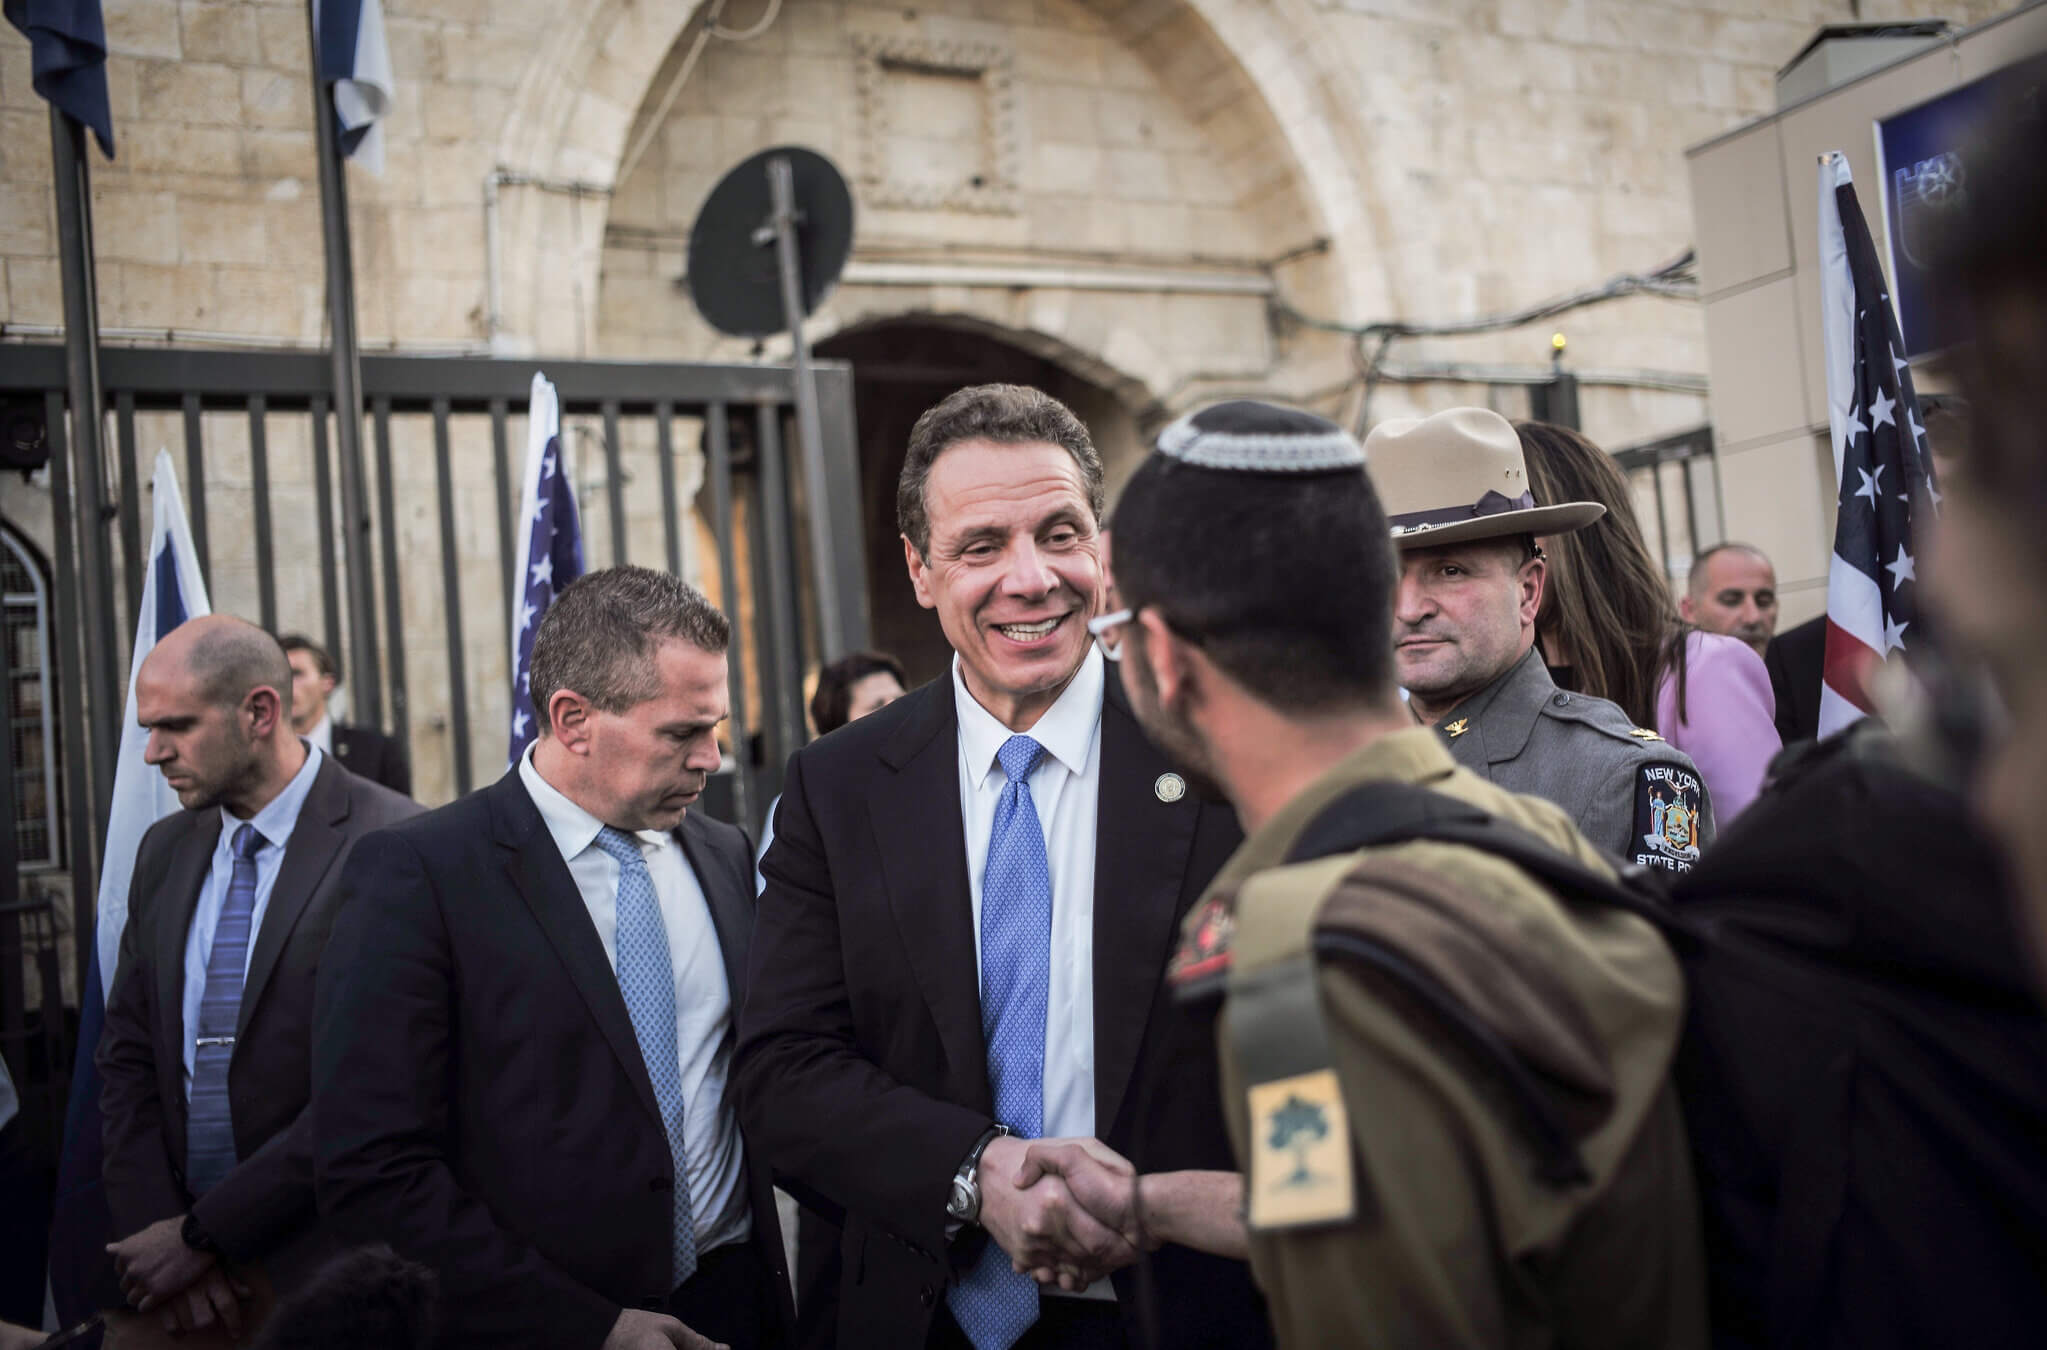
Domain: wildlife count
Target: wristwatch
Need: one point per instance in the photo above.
(196, 1237)
(965, 1202)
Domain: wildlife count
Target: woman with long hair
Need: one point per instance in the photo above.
(1609, 627)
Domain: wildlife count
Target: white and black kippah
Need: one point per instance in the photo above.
(1244, 436)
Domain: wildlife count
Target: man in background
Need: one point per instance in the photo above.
(1732, 590)
(361, 750)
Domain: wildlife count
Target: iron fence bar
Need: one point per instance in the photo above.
(1662, 516)
(394, 600)
(718, 445)
(195, 485)
(664, 450)
(130, 501)
(259, 495)
(65, 637)
(842, 479)
(13, 951)
(786, 658)
(614, 481)
(507, 554)
(323, 508)
(451, 597)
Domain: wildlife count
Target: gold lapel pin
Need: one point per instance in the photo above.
(1644, 734)
(1170, 787)
(1457, 728)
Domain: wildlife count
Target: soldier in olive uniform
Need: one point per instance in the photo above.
(1472, 571)
(1391, 1195)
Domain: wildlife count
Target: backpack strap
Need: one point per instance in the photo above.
(1381, 814)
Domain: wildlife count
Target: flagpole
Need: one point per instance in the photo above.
(91, 511)
(366, 697)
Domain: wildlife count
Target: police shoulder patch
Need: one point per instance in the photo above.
(1669, 811)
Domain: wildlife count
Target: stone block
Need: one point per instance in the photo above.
(282, 40)
(167, 148)
(17, 77)
(191, 92)
(220, 230)
(275, 100)
(133, 226)
(1137, 176)
(144, 295)
(417, 48)
(28, 226)
(490, 57)
(226, 33)
(142, 28)
(1055, 167)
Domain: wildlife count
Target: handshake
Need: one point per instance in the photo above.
(1070, 1211)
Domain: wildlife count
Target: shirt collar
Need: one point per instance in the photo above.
(572, 828)
(280, 816)
(322, 733)
(1067, 729)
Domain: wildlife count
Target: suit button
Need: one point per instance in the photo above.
(661, 1184)
(927, 1296)
(1561, 699)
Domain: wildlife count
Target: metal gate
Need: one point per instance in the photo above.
(683, 467)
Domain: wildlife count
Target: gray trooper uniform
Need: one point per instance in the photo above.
(1627, 789)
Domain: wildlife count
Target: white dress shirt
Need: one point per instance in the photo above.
(715, 1166)
(322, 734)
(274, 822)
(1065, 787)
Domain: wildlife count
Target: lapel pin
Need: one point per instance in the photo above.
(1457, 728)
(1170, 787)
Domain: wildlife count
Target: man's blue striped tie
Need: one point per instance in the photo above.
(993, 1304)
(646, 977)
(210, 1129)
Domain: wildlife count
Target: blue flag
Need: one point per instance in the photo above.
(355, 60)
(550, 553)
(172, 592)
(68, 41)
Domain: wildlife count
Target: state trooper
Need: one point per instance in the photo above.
(1465, 521)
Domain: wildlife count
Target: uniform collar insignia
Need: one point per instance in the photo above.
(1202, 961)
(1644, 734)
(1457, 728)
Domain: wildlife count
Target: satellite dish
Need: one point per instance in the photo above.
(733, 269)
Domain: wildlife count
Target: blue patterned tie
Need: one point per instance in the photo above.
(646, 976)
(992, 1303)
(210, 1130)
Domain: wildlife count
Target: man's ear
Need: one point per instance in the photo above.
(1165, 654)
(920, 574)
(568, 720)
(1533, 576)
(1686, 610)
(264, 709)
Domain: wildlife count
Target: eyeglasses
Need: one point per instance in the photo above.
(1103, 625)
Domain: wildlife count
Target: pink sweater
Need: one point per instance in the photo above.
(1730, 731)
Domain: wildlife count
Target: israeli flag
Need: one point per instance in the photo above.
(355, 61)
(172, 592)
(550, 550)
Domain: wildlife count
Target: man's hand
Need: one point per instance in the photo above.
(209, 1299)
(1101, 1182)
(155, 1263)
(1044, 1227)
(639, 1330)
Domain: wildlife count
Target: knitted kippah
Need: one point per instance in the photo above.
(1248, 437)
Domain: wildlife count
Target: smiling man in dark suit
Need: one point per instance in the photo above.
(968, 909)
(205, 1059)
(522, 1044)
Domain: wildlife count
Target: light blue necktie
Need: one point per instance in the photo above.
(993, 1304)
(209, 1127)
(646, 976)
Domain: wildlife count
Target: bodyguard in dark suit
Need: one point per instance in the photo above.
(522, 1042)
(205, 1059)
(360, 750)
(969, 905)
(1797, 659)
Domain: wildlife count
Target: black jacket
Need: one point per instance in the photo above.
(377, 757)
(862, 1072)
(483, 1103)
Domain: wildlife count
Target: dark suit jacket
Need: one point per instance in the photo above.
(862, 1072)
(483, 1103)
(375, 756)
(263, 1210)
(1796, 661)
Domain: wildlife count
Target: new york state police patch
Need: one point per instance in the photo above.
(1668, 806)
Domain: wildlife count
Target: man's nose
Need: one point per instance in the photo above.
(155, 750)
(1027, 573)
(1411, 602)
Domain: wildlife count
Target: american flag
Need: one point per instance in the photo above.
(1880, 456)
(550, 549)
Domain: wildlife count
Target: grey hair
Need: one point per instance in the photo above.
(1008, 414)
(600, 635)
